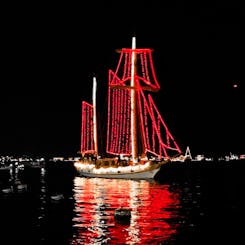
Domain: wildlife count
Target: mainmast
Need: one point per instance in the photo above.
(133, 103)
(94, 116)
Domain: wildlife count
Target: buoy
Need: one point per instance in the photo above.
(122, 215)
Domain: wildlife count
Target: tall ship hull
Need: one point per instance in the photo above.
(141, 171)
(122, 173)
(138, 142)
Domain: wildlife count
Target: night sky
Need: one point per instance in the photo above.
(48, 61)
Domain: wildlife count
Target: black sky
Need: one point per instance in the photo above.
(48, 61)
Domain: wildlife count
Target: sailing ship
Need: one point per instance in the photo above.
(138, 141)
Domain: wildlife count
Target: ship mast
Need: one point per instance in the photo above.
(133, 103)
(94, 116)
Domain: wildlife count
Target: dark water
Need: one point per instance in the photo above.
(186, 204)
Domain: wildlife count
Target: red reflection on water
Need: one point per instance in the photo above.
(151, 204)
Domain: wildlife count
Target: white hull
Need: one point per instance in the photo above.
(119, 173)
(138, 175)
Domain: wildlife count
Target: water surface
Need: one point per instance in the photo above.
(200, 205)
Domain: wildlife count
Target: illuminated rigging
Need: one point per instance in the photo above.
(135, 127)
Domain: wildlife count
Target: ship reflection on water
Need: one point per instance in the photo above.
(153, 209)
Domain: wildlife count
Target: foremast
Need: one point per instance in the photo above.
(95, 117)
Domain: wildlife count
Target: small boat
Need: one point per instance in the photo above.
(138, 141)
(21, 187)
(8, 190)
(57, 197)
